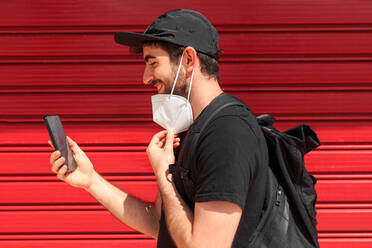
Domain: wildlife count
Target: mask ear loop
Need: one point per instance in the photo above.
(192, 77)
(175, 80)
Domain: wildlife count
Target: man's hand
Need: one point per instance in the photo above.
(160, 151)
(82, 176)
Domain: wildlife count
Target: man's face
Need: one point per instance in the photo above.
(160, 71)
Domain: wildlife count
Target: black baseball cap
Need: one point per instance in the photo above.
(182, 27)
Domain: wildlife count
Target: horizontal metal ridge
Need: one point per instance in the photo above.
(73, 236)
(341, 205)
(108, 236)
(367, 177)
(142, 147)
(108, 148)
(52, 178)
(341, 146)
(99, 207)
(224, 59)
(228, 87)
(221, 28)
(138, 177)
(146, 118)
(40, 237)
(343, 235)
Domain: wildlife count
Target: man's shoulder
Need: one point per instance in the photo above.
(233, 123)
(224, 107)
(235, 117)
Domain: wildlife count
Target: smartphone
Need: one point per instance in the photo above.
(59, 140)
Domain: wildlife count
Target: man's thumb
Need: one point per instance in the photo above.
(74, 147)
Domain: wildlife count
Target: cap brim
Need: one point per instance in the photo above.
(133, 39)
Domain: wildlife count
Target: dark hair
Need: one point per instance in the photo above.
(208, 64)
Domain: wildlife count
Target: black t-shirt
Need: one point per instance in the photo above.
(230, 164)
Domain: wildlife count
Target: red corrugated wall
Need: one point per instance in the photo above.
(303, 61)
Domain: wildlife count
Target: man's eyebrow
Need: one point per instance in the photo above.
(149, 57)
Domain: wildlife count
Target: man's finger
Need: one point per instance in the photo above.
(74, 146)
(51, 144)
(54, 156)
(57, 164)
(169, 141)
(61, 173)
(158, 137)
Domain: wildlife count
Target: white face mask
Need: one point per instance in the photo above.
(173, 111)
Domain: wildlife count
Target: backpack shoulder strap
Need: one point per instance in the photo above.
(210, 118)
(183, 172)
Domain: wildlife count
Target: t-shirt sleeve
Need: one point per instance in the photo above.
(225, 161)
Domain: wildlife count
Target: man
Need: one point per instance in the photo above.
(227, 172)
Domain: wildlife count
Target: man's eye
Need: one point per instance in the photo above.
(153, 64)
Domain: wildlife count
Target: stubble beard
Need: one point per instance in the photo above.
(180, 88)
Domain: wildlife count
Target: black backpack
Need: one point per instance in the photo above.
(289, 217)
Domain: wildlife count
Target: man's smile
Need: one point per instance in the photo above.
(159, 85)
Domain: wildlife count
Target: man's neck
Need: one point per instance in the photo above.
(202, 94)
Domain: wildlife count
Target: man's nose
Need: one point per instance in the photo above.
(147, 76)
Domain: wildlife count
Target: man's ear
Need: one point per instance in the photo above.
(191, 59)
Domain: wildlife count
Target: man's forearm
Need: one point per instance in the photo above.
(178, 216)
(133, 212)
